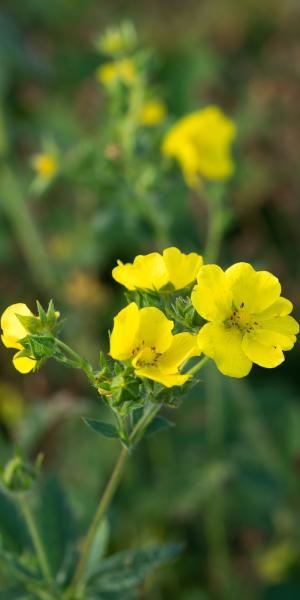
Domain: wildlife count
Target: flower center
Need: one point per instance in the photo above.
(145, 356)
(242, 319)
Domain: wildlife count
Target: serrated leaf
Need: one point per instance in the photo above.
(128, 569)
(55, 522)
(39, 346)
(102, 427)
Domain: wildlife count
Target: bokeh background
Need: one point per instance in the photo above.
(225, 480)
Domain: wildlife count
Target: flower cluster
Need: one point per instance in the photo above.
(247, 321)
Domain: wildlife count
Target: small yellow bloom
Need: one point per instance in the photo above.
(274, 564)
(143, 338)
(154, 271)
(45, 165)
(153, 113)
(249, 321)
(201, 143)
(13, 332)
(121, 70)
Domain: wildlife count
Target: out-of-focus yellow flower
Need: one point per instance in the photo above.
(83, 289)
(122, 70)
(249, 321)
(153, 113)
(273, 564)
(201, 143)
(13, 332)
(155, 271)
(143, 338)
(11, 404)
(117, 39)
(45, 165)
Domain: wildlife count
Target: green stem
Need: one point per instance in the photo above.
(215, 226)
(104, 503)
(143, 423)
(198, 365)
(15, 208)
(78, 361)
(35, 536)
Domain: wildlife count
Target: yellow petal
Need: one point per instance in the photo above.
(256, 290)
(23, 364)
(123, 335)
(154, 330)
(13, 330)
(267, 356)
(182, 268)
(280, 308)
(278, 331)
(146, 272)
(212, 298)
(224, 346)
(167, 379)
(183, 346)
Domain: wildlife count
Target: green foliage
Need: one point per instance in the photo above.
(127, 570)
(56, 523)
(106, 429)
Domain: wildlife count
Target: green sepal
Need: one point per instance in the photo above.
(39, 346)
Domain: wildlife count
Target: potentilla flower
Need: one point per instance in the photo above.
(45, 165)
(121, 70)
(13, 332)
(249, 321)
(201, 143)
(153, 113)
(143, 337)
(155, 271)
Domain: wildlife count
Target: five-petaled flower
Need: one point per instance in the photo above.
(249, 320)
(13, 332)
(201, 143)
(155, 271)
(143, 338)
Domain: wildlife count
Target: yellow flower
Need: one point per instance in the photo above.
(45, 165)
(275, 562)
(153, 113)
(201, 143)
(13, 332)
(143, 338)
(121, 70)
(154, 271)
(249, 321)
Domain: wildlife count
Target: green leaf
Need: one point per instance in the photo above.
(158, 424)
(55, 522)
(13, 529)
(103, 428)
(98, 549)
(13, 593)
(127, 570)
(31, 324)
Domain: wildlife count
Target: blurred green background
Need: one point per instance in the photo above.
(225, 481)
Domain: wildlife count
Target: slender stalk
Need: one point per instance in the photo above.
(143, 423)
(35, 536)
(198, 365)
(215, 225)
(100, 513)
(16, 211)
(77, 360)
